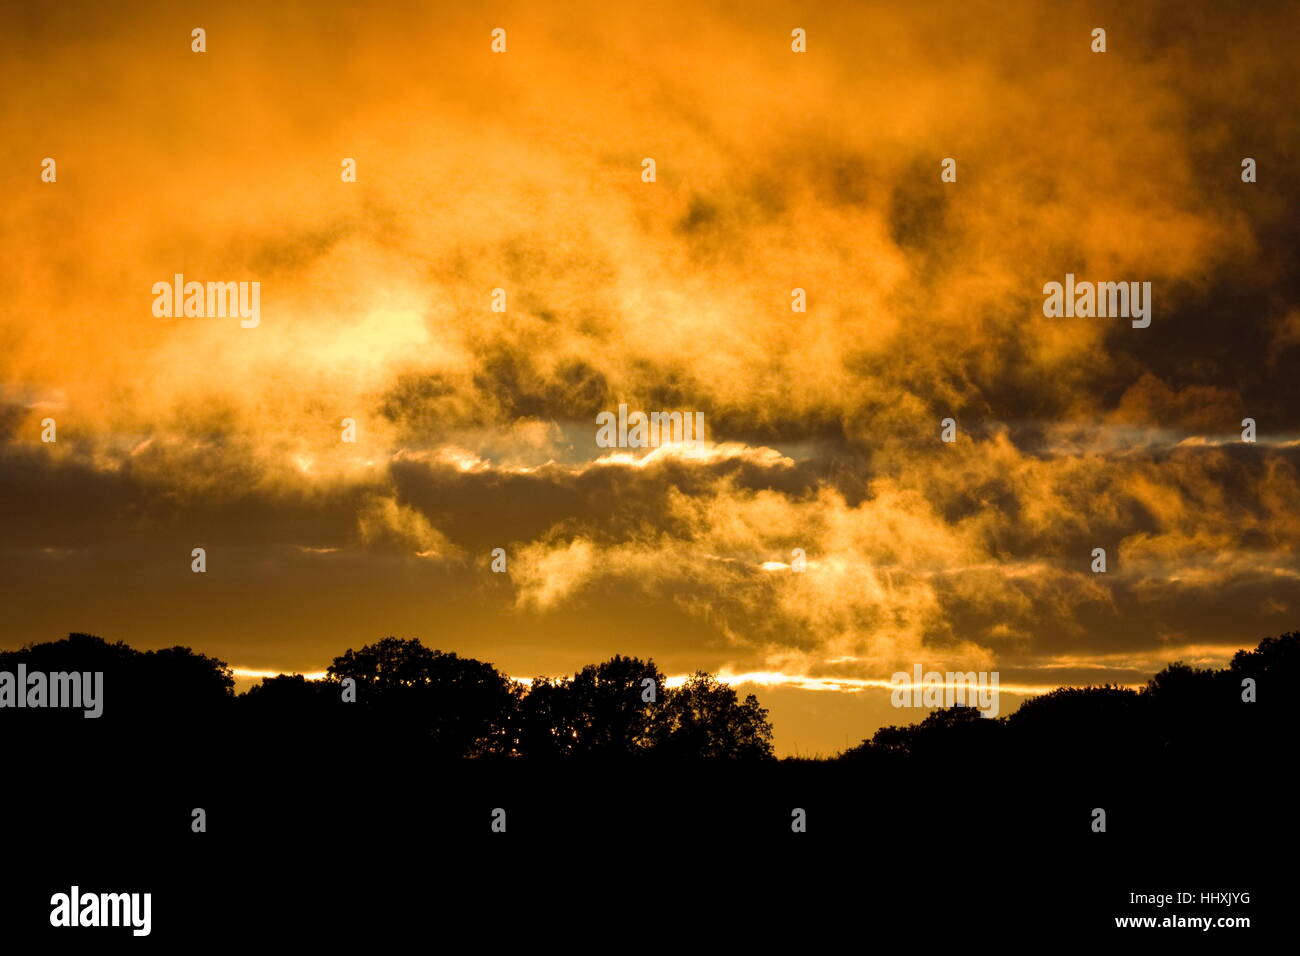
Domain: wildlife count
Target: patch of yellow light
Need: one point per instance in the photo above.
(698, 452)
(249, 673)
(854, 685)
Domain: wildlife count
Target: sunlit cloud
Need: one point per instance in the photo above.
(475, 429)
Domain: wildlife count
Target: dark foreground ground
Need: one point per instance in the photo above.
(367, 851)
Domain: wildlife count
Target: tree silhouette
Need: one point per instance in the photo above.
(601, 711)
(545, 720)
(1276, 660)
(290, 711)
(1181, 714)
(138, 685)
(458, 706)
(950, 734)
(706, 718)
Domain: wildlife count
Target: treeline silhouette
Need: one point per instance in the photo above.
(1193, 779)
(401, 696)
(436, 704)
(1184, 717)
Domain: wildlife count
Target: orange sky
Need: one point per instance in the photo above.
(775, 170)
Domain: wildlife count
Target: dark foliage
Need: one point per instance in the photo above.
(1182, 717)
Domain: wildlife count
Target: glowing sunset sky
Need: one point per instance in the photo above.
(476, 429)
